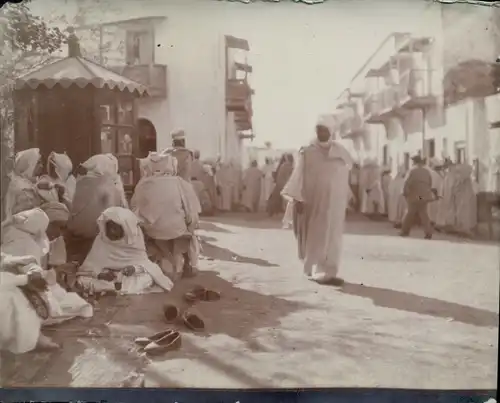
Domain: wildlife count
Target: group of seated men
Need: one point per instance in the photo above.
(69, 237)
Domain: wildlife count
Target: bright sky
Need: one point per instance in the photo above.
(303, 55)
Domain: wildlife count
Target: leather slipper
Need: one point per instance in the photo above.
(169, 342)
(37, 301)
(193, 321)
(144, 341)
(171, 313)
(199, 293)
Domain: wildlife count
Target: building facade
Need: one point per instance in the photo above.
(201, 87)
(431, 92)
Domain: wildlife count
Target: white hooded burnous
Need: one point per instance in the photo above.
(319, 187)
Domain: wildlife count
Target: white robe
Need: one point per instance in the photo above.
(21, 193)
(129, 251)
(20, 324)
(267, 183)
(63, 305)
(320, 180)
(396, 202)
(372, 181)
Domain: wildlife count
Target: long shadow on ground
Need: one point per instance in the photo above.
(214, 252)
(409, 302)
(238, 314)
(357, 224)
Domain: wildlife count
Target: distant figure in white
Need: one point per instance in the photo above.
(267, 181)
(318, 190)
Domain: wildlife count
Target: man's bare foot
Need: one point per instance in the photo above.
(45, 343)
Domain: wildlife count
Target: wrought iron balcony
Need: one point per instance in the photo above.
(153, 76)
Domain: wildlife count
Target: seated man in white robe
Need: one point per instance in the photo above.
(25, 234)
(58, 184)
(20, 331)
(118, 261)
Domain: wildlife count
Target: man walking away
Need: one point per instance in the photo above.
(182, 154)
(418, 193)
(318, 188)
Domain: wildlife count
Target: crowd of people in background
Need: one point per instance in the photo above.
(224, 186)
(448, 192)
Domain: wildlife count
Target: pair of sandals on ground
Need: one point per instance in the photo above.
(170, 339)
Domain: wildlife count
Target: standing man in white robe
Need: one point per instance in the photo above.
(319, 188)
(267, 182)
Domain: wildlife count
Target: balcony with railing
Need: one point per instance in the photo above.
(351, 126)
(417, 88)
(153, 76)
(381, 105)
(349, 121)
(128, 47)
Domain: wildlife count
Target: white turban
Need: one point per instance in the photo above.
(327, 121)
(34, 221)
(178, 134)
(101, 164)
(26, 162)
(62, 165)
(162, 164)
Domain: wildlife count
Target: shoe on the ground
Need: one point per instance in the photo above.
(404, 234)
(428, 236)
(199, 293)
(144, 341)
(171, 312)
(193, 321)
(169, 342)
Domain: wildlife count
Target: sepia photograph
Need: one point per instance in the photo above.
(248, 195)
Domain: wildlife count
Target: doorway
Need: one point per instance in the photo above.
(147, 137)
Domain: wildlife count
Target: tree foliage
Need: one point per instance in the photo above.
(28, 33)
(26, 42)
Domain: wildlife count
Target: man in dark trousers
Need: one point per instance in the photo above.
(184, 158)
(183, 155)
(418, 193)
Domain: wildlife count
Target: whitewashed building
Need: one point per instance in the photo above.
(201, 87)
(430, 92)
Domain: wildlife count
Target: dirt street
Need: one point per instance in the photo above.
(413, 314)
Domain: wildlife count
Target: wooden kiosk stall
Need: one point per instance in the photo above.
(82, 108)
